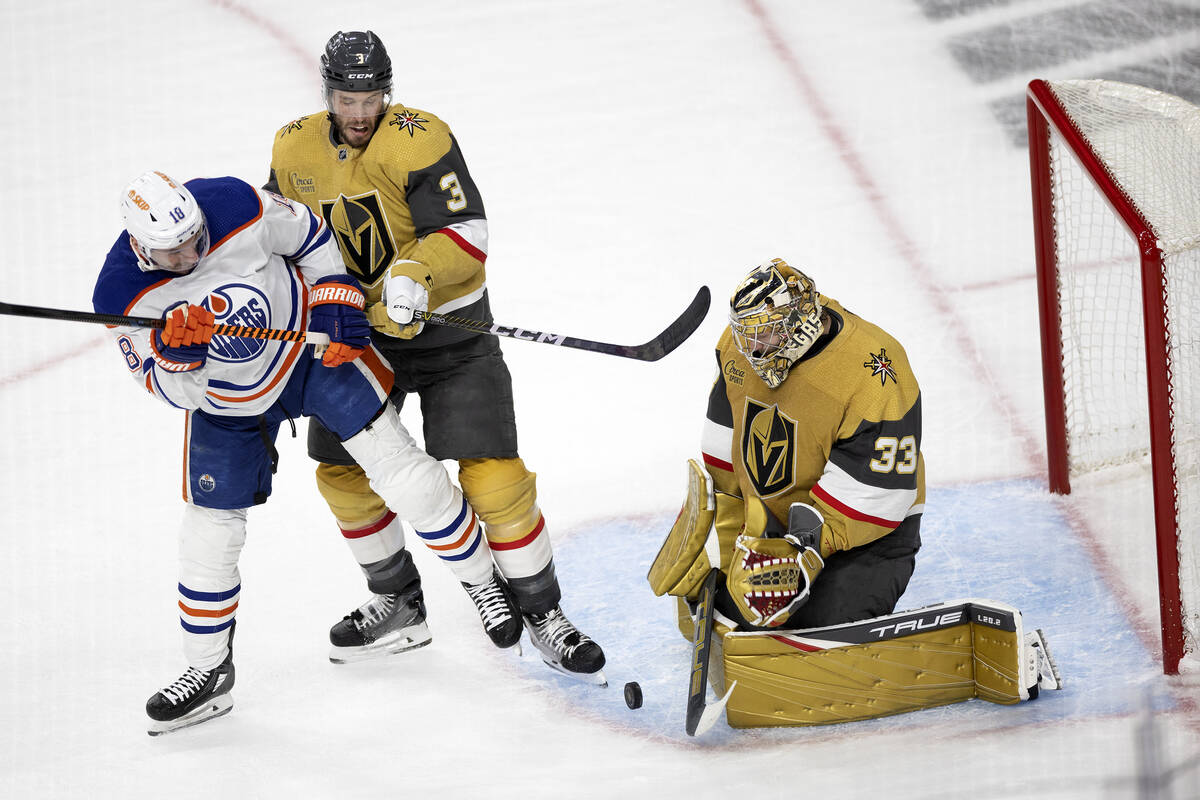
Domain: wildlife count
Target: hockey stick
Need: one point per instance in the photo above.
(675, 334)
(700, 715)
(239, 331)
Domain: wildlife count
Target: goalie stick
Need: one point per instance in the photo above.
(675, 334)
(700, 715)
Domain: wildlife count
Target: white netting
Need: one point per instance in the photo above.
(1149, 142)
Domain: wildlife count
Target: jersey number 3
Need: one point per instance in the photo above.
(458, 200)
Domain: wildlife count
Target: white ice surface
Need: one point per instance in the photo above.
(628, 152)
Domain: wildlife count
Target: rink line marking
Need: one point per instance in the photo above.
(273, 31)
(1141, 625)
(50, 363)
(906, 246)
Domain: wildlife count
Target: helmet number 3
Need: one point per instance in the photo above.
(888, 448)
(449, 183)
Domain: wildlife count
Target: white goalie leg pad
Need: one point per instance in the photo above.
(408, 479)
(210, 543)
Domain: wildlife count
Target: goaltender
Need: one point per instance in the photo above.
(810, 502)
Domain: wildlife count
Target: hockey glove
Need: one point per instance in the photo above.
(337, 310)
(403, 296)
(181, 345)
(771, 575)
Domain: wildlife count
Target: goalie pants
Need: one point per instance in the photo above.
(466, 401)
(855, 584)
(229, 466)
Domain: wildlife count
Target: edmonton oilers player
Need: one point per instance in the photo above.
(219, 250)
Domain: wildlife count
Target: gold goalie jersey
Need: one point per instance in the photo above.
(841, 433)
(406, 196)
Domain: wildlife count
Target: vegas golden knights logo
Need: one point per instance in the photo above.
(361, 231)
(768, 448)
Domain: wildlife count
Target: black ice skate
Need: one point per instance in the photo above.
(565, 648)
(497, 609)
(385, 624)
(196, 696)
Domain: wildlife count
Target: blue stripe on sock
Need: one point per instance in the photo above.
(210, 597)
(461, 556)
(449, 529)
(190, 628)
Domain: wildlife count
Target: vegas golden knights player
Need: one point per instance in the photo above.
(810, 502)
(394, 188)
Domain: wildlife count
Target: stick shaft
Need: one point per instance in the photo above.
(239, 331)
(675, 334)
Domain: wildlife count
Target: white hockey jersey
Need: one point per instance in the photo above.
(265, 253)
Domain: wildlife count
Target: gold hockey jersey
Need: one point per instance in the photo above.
(406, 195)
(842, 433)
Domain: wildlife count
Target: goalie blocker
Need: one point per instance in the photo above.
(931, 656)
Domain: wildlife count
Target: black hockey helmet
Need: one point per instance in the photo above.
(356, 61)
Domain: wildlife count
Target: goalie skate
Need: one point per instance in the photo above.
(1044, 667)
(565, 648)
(385, 624)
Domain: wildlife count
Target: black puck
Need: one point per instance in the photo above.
(633, 695)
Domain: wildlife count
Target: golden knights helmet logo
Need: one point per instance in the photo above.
(361, 230)
(768, 448)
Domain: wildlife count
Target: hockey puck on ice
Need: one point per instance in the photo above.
(633, 695)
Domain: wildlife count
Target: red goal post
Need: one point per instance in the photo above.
(1116, 204)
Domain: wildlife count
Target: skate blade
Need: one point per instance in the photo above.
(219, 706)
(592, 678)
(396, 642)
(1048, 677)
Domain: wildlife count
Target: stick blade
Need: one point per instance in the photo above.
(712, 713)
(677, 332)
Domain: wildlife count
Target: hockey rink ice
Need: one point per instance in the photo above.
(627, 152)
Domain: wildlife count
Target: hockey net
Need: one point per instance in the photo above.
(1116, 188)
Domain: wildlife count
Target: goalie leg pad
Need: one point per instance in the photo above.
(681, 563)
(893, 664)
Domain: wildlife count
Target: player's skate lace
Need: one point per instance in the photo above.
(186, 685)
(494, 602)
(558, 639)
(373, 612)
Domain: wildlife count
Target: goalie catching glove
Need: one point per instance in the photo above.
(771, 575)
(182, 343)
(337, 310)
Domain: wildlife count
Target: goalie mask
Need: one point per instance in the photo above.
(775, 315)
(166, 226)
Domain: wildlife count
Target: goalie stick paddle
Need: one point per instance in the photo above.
(239, 331)
(675, 334)
(700, 715)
